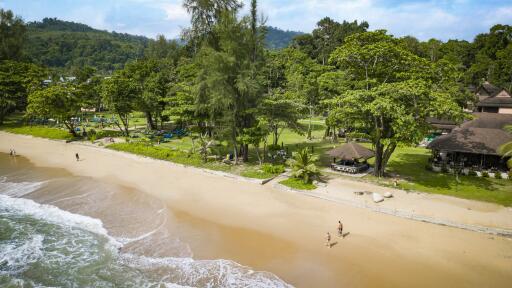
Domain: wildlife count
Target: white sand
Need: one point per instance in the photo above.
(381, 250)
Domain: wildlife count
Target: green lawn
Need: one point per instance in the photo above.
(409, 163)
(163, 153)
(297, 184)
(41, 131)
(254, 173)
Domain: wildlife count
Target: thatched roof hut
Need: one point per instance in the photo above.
(472, 140)
(483, 135)
(351, 151)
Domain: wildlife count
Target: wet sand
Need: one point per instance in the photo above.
(282, 232)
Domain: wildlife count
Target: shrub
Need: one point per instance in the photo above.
(303, 166)
(92, 137)
(485, 174)
(510, 175)
(272, 169)
(444, 169)
(429, 167)
(497, 175)
(472, 173)
(273, 147)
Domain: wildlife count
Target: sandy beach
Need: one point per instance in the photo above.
(283, 232)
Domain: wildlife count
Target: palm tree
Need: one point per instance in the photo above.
(506, 150)
(303, 165)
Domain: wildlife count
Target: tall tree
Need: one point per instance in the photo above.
(397, 92)
(229, 84)
(12, 35)
(120, 96)
(205, 14)
(17, 80)
(60, 102)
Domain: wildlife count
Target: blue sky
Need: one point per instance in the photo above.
(442, 19)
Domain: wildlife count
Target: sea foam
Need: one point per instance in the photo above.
(18, 189)
(173, 271)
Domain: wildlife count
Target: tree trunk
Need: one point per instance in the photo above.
(378, 171)
(150, 123)
(124, 121)
(257, 148)
(246, 152)
(235, 146)
(276, 136)
(71, 128)
(310, 122)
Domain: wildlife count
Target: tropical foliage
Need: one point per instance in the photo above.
(303, 166)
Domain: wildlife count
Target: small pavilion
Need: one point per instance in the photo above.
(350, 158)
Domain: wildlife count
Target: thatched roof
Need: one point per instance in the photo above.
(488, 89)
(472, 140)
(351, 151)
(483, 135)
(505, 102)
(489, 120)
(441, 123)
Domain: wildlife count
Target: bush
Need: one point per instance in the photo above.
(510, 175)
(429, 167)
(108, 133)
(497, 175)
(272, 169)
(485, 174)
(444, 169)
(472, 173)
(273, 147)
(303, 166)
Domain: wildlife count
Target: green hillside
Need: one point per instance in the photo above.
(58, 44)
(277, 38)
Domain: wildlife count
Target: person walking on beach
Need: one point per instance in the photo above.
(328, 240)
(77, 157)
(340, 229)
(11, 153)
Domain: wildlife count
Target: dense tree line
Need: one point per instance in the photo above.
(223, 84)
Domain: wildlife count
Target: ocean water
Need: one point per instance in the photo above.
(44, 245)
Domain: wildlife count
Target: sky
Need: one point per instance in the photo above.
(441, 19)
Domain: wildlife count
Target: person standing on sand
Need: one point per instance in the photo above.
(340, 229)
(77, 157)
(328, 240)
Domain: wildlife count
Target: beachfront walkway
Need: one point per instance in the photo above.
(433, 208)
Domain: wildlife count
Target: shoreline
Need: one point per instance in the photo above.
(438, 255)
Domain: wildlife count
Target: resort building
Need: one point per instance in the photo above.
(474, 145)
(493, 99)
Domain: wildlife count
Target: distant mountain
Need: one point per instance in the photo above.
(63, 44)
(277, 38)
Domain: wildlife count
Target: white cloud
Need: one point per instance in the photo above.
(423, 19)
(175, 12)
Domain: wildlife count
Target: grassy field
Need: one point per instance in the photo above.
(409, 163)
(41, 131)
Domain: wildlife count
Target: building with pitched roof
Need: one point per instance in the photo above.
(475, 143)
(493, 99)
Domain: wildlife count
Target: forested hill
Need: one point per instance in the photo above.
(277, 38)
(57, 43)
(63, 44)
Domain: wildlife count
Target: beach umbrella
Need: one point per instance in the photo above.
(351, 151)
